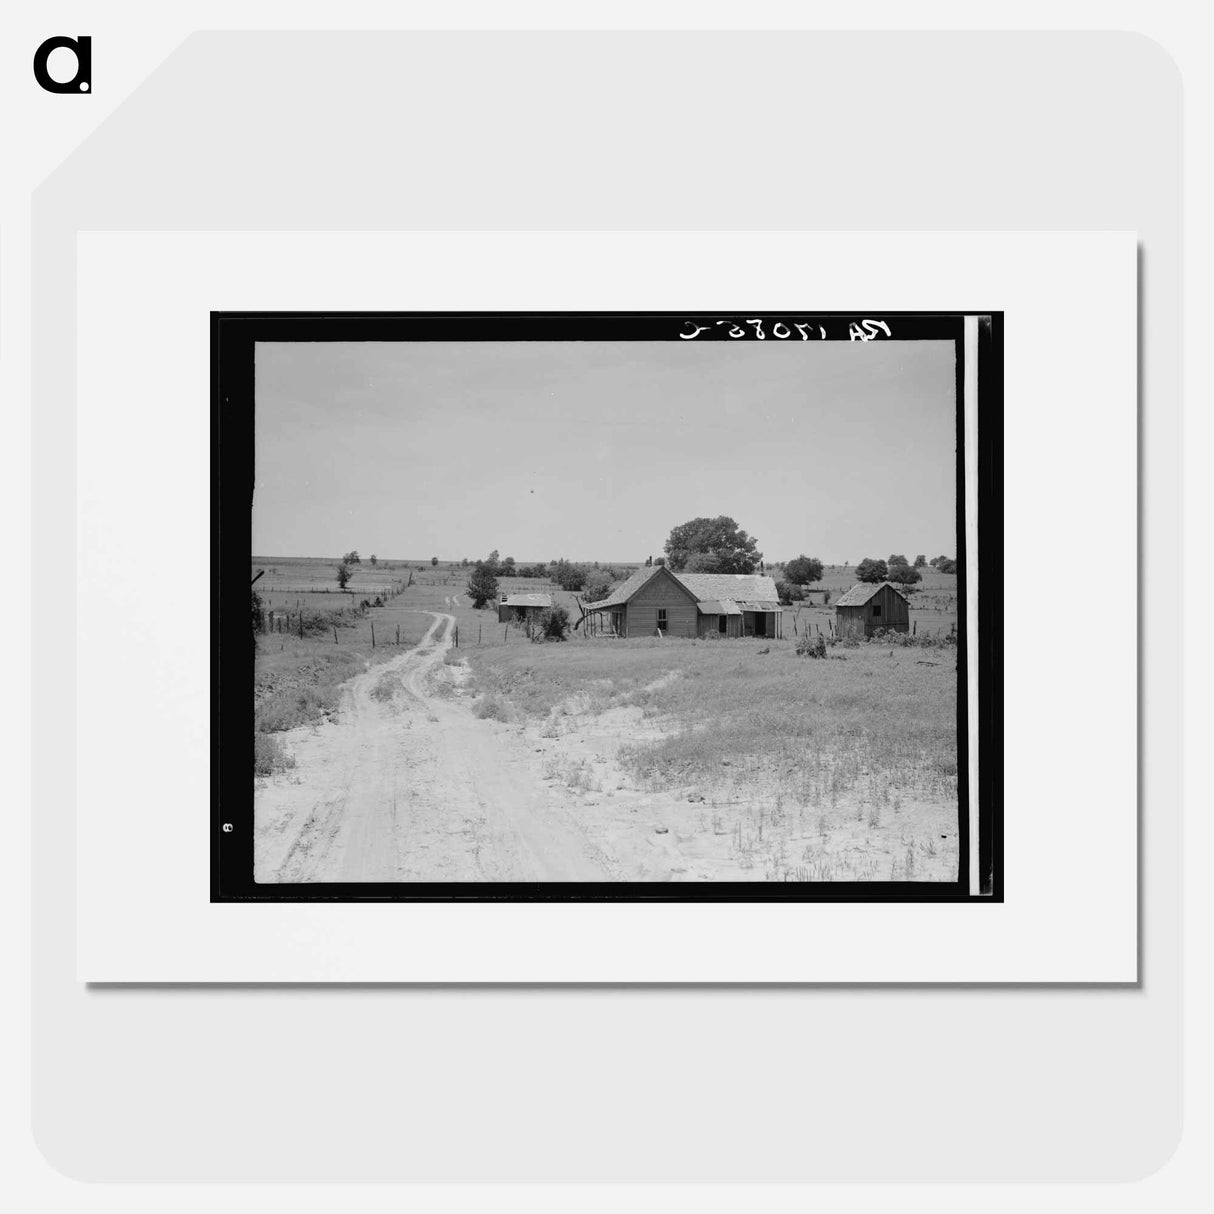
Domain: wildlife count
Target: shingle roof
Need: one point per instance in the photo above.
(626, 589)
(527, 600)
(749, 586)
(704, 587)
(859, 594)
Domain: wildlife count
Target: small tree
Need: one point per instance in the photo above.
(869, 570)
(434, 560)
(904, 575)
(920, 561)
(659, 560)
(598, 587)
(482, 585)
(567, 575)
(805, 570)
(343, 575)
(374, 560)
(352, 558)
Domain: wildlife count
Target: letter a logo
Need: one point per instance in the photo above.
(82, 48)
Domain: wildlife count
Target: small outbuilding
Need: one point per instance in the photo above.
(867, 607)
(522, 607)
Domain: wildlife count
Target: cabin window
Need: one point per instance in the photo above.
(876, 610)
(722, 624)
(662, 618)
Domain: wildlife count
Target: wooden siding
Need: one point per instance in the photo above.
(893, 615)
(662, 592)
(507, 614)
(710, 626)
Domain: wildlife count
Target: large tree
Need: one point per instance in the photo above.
(869, 570)
(727, 548)
(804, 571)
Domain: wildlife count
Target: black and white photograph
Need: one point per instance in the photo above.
(627, 605)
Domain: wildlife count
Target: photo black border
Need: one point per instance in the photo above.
(233, 339)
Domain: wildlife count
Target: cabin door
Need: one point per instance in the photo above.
(760, 623)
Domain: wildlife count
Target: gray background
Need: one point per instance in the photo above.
(620, 131)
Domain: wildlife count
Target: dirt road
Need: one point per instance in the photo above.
(405, 784)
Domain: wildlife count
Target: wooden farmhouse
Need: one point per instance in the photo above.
(522, 607)
(866, 607)
(656, 602)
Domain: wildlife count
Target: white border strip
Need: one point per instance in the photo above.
(971, 585)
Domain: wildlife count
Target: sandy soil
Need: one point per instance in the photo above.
(405, 783)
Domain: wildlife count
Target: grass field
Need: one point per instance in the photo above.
(835, 769)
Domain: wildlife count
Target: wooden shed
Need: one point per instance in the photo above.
(512, 607)
(867, 607)
(656, 602)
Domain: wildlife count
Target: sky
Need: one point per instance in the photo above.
(596, 450)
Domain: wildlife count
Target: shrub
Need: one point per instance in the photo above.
(343, 574)
(790, 592)
(812, 646)
(269, 756)
(434, 560)
(553, 625)
(492, 708)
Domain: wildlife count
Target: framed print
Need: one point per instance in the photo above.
(716, 686)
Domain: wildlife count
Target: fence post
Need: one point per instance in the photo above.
(334, 634)
(398, 634)
(301, 625)
(372, 634)
(479, 629)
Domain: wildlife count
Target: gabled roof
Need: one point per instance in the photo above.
(703, 587)
(527, 600)
(859, 594)
(626, 589)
